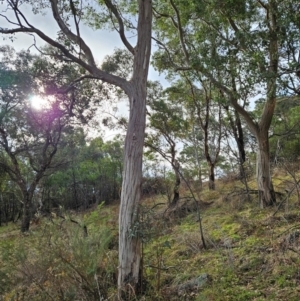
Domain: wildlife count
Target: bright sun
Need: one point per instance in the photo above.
(38, 102)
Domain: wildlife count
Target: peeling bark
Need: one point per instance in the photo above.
(129, 239)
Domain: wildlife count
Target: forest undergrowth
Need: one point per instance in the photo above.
(250, 254)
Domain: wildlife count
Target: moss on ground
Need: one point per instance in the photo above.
(251, 254)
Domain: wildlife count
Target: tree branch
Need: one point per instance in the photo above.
(96, 72)
(121, 30)
(75, 38)
(180, 31)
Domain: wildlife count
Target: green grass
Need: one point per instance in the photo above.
(250, 255)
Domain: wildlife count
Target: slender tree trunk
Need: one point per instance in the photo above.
(239, 138)
(211, 168)
(200, 177)
(26, 216)
(211, 177)
(238, 134)
(176, 195)
(263, 174)
(197, 159)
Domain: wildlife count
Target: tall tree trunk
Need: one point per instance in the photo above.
(176, 195)
(129, 243)
(264, 180)
(263, 174)
(267, 195)
(211, 177)
(236, 126)
(240, 138)
(129, 238)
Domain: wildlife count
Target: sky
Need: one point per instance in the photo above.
(101, 42)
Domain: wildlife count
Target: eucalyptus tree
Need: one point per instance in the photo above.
(192, 156)
(168, 125)
(242, 48)
(204, 114)
(31, 137)
(208, 114)
(71, 46)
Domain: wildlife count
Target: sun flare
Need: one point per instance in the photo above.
(38, 102)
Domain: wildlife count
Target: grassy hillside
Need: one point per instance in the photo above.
(251, 254)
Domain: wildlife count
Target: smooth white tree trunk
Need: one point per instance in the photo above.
(129, 243)
(129, 235)
(129, 240)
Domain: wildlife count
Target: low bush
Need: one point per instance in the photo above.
(64, 264)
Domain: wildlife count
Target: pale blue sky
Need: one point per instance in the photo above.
(101, 42)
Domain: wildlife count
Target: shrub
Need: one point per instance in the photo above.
(63, 264)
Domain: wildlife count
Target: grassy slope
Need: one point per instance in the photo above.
(251, 254)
